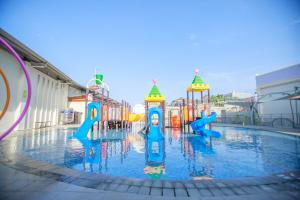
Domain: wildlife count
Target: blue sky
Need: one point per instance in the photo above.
(132, 42)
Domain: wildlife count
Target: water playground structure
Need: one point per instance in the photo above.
(98, 105)
(93, 116)
(192, 112)
(103, 111)
(113, 114)
(155, 99)
(97, 109)
(192, 109)
(155, 123)
(155, 126)
(155, 144)
(195, 110)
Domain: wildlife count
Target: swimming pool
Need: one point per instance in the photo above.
(238, 153)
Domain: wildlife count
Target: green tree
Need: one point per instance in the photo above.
(217, 100)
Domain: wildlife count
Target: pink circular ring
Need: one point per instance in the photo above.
(22, 64)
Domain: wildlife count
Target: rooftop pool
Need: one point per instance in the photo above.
(180, 156)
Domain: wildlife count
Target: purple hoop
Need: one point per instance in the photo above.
(22, 64)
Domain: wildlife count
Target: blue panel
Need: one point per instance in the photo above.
(155, 132)
(88, 122)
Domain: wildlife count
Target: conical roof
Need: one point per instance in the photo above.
(198, 84)
(197, 80)
(154, 91)
(154, 95)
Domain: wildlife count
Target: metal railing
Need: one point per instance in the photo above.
(274, 120)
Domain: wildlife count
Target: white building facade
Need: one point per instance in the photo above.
(274, 90)
(50, 88)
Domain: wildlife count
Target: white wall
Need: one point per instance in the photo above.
(278, 107)
(79, 107)
(49, 96)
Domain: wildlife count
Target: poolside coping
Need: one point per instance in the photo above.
(268, 186)
(283, 182)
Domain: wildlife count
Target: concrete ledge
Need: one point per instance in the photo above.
(284, 182)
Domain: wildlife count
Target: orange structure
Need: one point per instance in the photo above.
(105, 113)
(175, 121)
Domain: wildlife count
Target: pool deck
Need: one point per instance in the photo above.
(24, 178)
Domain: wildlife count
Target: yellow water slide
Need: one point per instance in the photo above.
(135, 117)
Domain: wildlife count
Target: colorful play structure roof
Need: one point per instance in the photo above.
(154, 95)
(198, 84)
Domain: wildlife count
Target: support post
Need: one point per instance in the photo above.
(122, 110)
(130, 123)
(182, 113)
(187, 106)
(193, 106)
(126, 113)
(146, 113)
(86, 102)
(108, 114)
(197, 105)
(164, 115)
(170, 122)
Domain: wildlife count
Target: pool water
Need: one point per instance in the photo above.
(238, 153)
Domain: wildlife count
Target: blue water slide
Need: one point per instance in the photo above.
(89, 121)
(199, 125)
(155, 132)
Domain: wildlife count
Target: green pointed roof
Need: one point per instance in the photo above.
(154, 95)
(198, 84)
(155, 91)
(197, 80)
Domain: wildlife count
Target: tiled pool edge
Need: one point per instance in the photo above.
(289, 181)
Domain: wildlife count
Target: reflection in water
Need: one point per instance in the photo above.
(97, 148)
(155, 156)
(198, 147)
(92, 154)
(239, 153)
